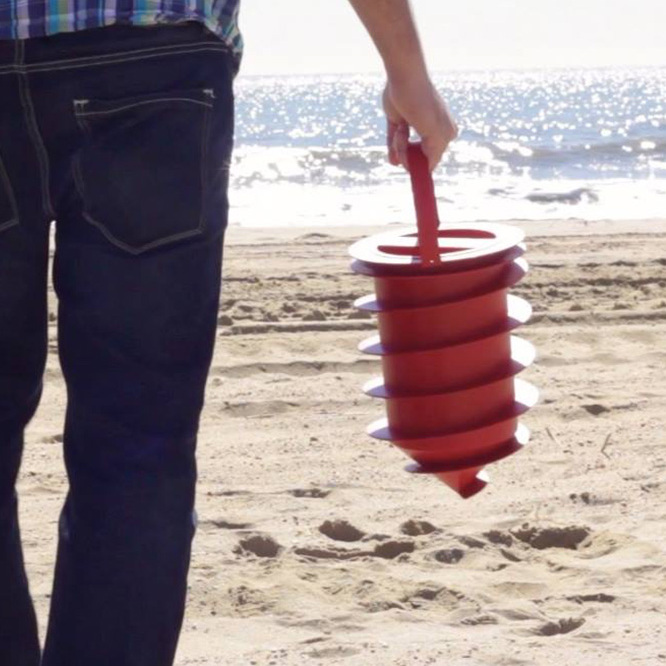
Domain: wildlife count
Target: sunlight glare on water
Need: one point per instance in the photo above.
(588, 144)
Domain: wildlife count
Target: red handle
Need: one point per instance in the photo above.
(425, 203)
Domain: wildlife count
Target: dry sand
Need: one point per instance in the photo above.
(315, 547)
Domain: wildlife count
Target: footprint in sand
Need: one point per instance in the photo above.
(391, 549)
(562, 626)
(552, 537)
(499, 537)
(388, 550)
(449, 555)
(330, 553)
(259, 545)
(417, 528)
(341, 530)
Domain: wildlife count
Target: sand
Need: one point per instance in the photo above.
(316, 547)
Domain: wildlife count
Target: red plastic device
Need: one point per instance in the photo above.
(449, 359)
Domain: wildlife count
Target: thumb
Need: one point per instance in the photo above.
(432, 152)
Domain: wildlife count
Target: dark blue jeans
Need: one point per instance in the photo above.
(123, 137)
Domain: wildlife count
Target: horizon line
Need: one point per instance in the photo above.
(464, 70)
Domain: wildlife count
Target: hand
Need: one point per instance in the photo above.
(416, 103)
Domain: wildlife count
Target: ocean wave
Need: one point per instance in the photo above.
(571, 198)
(628, 154)
(369, 164)
(460, 199)
(647, 145)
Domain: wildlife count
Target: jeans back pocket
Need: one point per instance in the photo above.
(8, 208)
(141, 169)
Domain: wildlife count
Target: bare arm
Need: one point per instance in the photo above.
(409, 99)
(392, 27)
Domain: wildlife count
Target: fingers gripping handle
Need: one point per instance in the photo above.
(426, 205)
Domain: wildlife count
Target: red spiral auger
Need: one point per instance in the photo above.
(449, 359)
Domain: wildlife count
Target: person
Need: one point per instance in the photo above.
(116, 122)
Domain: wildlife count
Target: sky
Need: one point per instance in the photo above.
(325, 36)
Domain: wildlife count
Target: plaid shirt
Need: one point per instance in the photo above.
(20, 19)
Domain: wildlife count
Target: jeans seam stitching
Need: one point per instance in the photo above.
(110, 59)
(131, 106)
(205, 135)
(155, 50)
(76, 164)
(33, 130)
(143, 248)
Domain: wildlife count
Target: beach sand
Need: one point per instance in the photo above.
(316, 547)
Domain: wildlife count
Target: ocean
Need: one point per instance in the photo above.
(533, 145)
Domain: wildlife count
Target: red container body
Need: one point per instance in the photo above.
(420, 416)
(414, 416)
(418, 290)
(447, 368)
(440, 325)
(457, 447)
